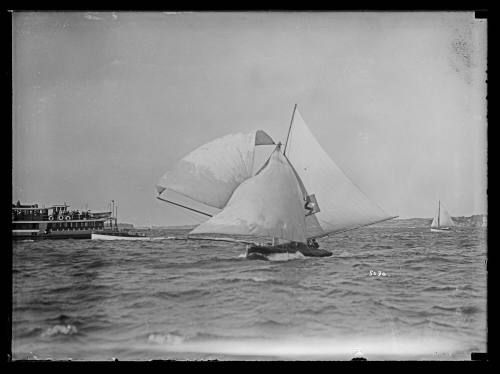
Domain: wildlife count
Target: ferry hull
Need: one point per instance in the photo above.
(35, 235)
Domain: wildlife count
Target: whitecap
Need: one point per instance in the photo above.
(60, 329)
(165, 339)
(285, 256)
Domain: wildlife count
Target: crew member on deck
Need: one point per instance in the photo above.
(312, 243)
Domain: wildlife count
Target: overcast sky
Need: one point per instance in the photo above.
(105, 103)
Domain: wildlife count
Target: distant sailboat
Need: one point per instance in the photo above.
(442, 220)
(298, 195)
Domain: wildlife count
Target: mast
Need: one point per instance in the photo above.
(109, 220)
(290, 128)
(439, 210)
(112, 212)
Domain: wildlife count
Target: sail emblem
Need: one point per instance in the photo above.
(311, 205)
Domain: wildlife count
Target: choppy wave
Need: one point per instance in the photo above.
(193, 293)
(440, 288)
(166, 338)
(285, 256)
(60, 330)
(318, 311)
(246, 279)
(174, 299)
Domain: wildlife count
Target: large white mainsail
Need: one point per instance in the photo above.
(268, 204)
(210, 173)
(342, 205)
(442, 218)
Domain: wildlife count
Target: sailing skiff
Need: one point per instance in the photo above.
(442, 221)
(297, 196)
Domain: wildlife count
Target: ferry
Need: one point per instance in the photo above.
(31, 222)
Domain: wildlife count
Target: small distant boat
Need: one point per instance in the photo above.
(298, 195)
(442, 222)
(112, 232)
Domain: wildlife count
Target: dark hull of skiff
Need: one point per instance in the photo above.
(261, 252)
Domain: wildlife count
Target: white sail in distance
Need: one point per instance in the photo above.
(210, 173)
(444, 220)
(268, 204)
(342, 205)
(434, 223)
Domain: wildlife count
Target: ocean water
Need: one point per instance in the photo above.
(387, 293)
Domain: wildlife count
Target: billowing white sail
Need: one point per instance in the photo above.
(435, 221)
(210, 173)
(268, 204)
(444, 219)
(342, 205)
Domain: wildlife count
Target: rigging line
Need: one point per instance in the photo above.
(299, 180)
(353, 228)
(230, 240)
(193, 217)
(290, 128)
(439, 210)
(183, 206)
